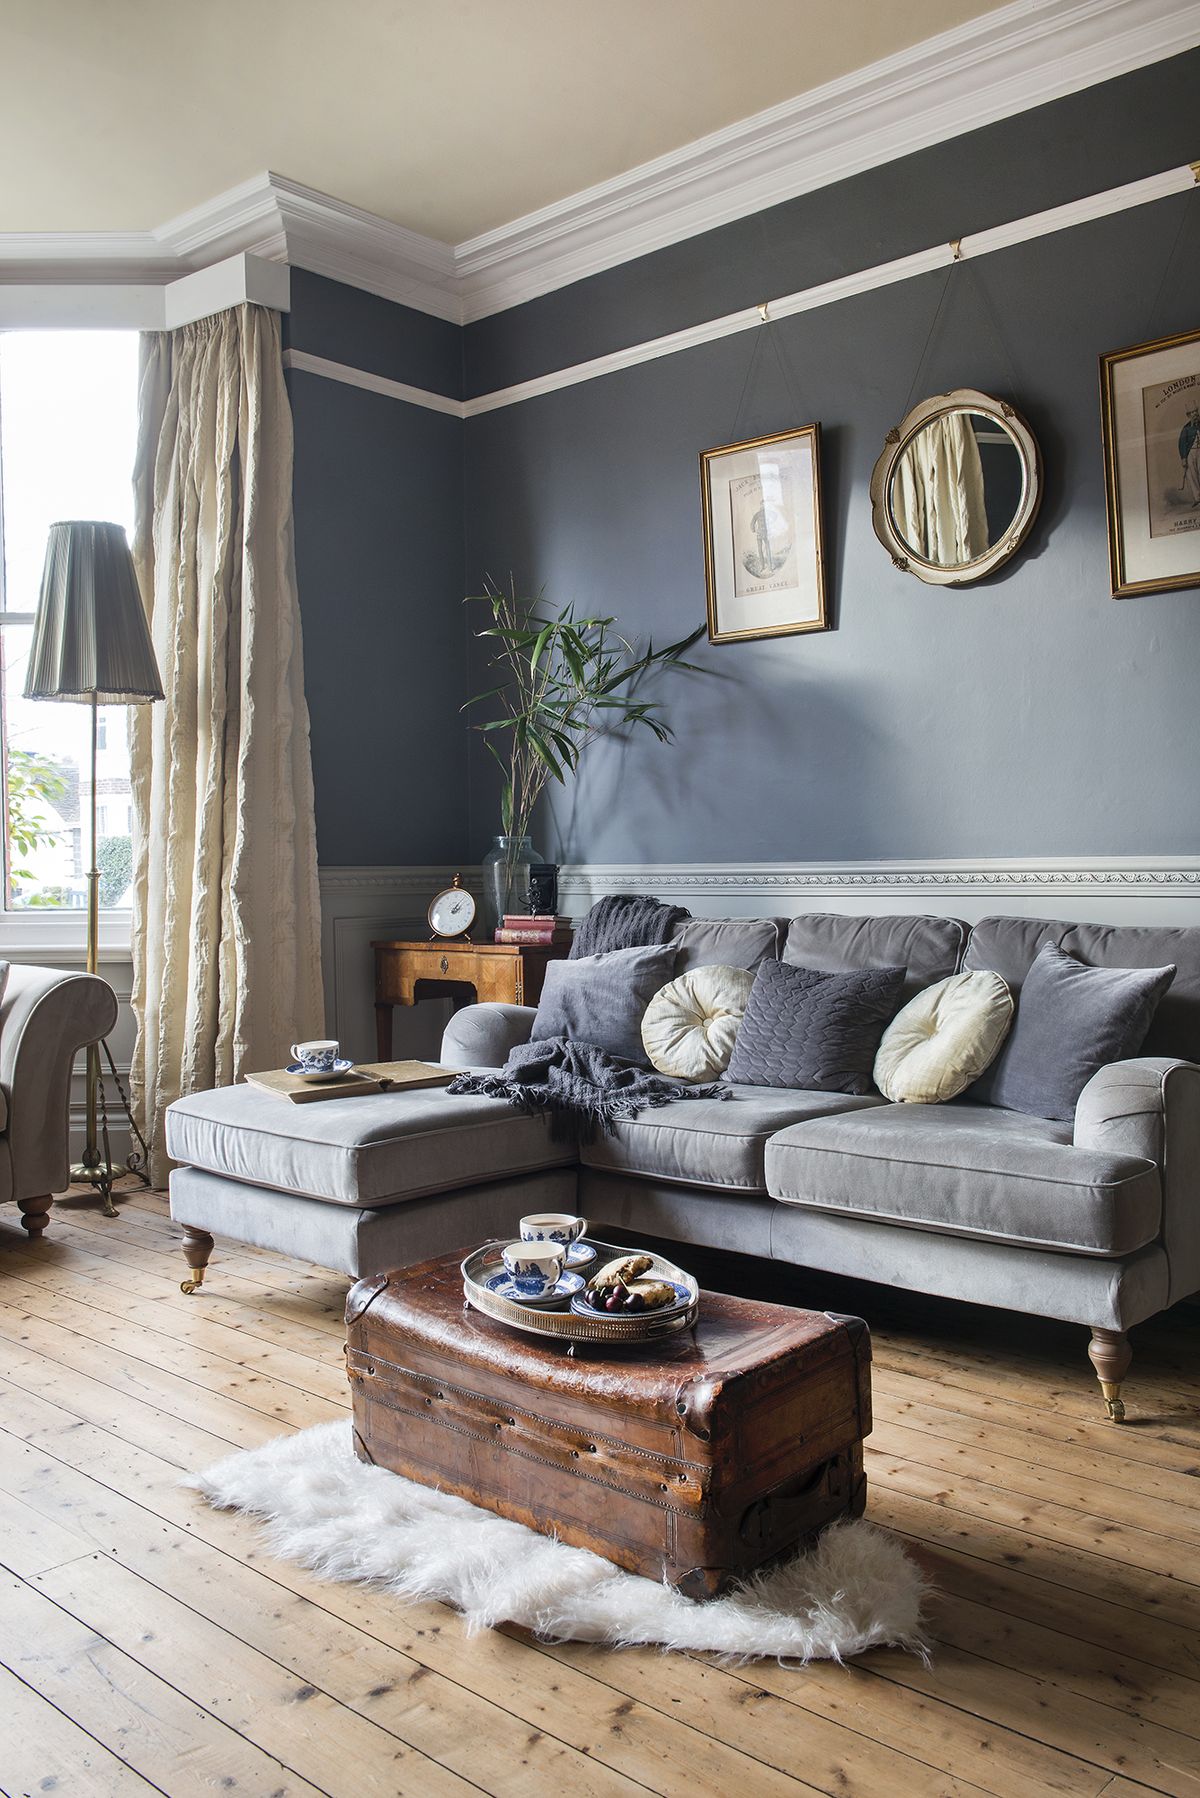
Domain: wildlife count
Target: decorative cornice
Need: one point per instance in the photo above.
(1016, 57)
(1019, 56)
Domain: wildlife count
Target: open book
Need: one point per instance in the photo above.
(364, 1077)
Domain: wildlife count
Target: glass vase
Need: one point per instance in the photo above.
(506, 878)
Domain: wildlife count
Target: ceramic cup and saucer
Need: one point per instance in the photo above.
(534, 1274)
(318, 1060)
(561, 1228)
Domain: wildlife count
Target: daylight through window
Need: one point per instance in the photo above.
(68, 431)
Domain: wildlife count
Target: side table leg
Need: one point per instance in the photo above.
(383, 1031)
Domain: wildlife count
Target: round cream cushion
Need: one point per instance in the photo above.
(689, 1026)
(943, 1039)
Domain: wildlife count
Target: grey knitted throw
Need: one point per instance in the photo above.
(582, 1089)
(626, 921)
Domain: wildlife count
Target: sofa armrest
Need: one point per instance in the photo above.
(481, 1036)
(1151, 1108)
(46, 1017)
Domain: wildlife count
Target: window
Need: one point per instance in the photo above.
(68, 432)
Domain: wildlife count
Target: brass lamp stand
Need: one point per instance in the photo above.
(91, 644)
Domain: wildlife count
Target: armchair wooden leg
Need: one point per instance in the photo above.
(1110, 1354)
(197, 1247)
(35, 1214)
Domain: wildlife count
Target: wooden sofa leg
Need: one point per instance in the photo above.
(1110, 1354)
(35, 1214)
(197, 1247)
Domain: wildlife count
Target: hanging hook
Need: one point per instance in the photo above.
(762, 311)
(956, 249)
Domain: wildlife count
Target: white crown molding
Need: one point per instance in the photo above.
(1019, 56)
(1021, 877)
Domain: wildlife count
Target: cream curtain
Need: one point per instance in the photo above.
(226, 915)
(937, 493)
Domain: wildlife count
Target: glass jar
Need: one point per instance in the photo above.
(506, 877)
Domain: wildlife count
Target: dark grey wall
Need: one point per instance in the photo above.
(379, 559)
(1030, 715)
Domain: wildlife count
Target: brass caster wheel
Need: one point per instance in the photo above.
(1116, 1410)
(190, 1286)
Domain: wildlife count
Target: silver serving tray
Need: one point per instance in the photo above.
(568, 1326)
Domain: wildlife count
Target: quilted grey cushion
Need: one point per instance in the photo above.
(820, 1032)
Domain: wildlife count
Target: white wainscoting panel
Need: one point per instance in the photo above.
(362, 905)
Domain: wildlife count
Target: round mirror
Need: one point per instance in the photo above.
(957, 487)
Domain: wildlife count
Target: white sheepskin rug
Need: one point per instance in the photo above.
(324, 1508)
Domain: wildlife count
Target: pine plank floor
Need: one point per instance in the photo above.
(149, 1644)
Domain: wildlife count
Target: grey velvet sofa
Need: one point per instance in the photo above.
(1095, 1222)
(46, 1017)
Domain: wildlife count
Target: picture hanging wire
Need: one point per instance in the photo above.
(1185, 213)
(769, 333)
(954, 282)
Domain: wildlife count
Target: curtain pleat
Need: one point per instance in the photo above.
(226, 925)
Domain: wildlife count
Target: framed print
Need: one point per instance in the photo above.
(764, 560)
(1150, 410)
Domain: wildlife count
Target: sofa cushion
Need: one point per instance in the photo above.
(943, 1039)
(972, 1171)
(361, 1151)
(601, 999)
(1009, 945)
(1071, 1021)
(814, 1032)
(689, 1025)
(927, 948)
(733, 942)
(710, 1142)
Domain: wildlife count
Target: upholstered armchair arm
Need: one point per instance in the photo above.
(1151, 1108)
(46, 1017)
(480, 1036)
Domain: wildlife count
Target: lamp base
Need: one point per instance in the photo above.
(96, 1168)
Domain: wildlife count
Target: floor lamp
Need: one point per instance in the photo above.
(91, 644)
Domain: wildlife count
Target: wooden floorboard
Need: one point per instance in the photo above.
(149, 1643)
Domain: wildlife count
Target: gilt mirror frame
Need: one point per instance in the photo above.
(1009, 420)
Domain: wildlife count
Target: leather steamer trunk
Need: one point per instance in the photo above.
(695, 1458)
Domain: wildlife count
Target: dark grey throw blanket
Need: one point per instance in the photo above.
(581, 1088)
(626, 921)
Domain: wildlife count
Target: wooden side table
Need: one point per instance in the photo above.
(455, 969)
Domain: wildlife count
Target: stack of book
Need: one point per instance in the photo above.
(542, 929)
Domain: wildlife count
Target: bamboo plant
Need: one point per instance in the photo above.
(568, 680)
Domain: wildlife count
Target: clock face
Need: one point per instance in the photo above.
(452, 912)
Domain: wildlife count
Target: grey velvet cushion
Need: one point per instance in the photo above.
(601, 998)
(1071, 1021)
(727, 942)
(927, 948)
(810, 1030)
(370, 1151)
(971, 1170)
(1010, 945)
(710, 1142)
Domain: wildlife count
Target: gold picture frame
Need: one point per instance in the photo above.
(764, 552)
(1150, 419)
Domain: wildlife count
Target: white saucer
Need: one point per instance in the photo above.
(503, 1286)
(337, 1072)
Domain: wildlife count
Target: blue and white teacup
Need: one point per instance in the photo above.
(316, 1057)
(552, 1226)
(534, 1267)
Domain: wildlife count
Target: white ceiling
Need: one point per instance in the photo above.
(450, 117)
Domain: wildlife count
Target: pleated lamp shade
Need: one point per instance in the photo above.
(90, 636)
